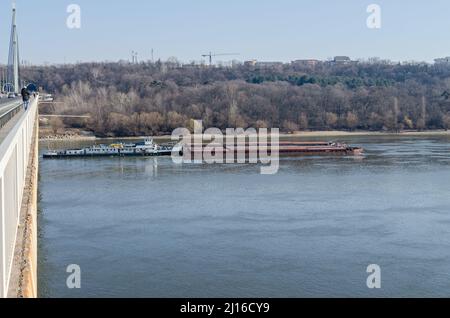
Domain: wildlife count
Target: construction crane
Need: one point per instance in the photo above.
(211, 55)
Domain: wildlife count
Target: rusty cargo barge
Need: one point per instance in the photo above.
(149, 148)
(284, 148)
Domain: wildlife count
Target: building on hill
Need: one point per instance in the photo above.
(442, 61)
(250, 63)
(269, 64)
(342, 60)
(257, 64)
(305, 63)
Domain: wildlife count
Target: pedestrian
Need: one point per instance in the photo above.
(25, 98)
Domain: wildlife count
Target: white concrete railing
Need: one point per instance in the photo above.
(14, 154)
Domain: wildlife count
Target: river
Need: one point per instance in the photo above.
(145, 227)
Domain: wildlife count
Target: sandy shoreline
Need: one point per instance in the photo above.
(305, 134)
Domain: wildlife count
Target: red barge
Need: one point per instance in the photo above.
(285, 148)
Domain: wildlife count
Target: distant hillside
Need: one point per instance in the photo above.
(138, 99)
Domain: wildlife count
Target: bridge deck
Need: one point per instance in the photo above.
(11, 123)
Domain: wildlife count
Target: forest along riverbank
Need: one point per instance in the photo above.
(150, 98)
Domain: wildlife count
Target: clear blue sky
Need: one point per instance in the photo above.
(262, 29)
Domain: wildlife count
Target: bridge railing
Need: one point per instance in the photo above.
(14, 154)
(6, 117)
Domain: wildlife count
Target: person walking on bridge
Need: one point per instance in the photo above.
(26, 98)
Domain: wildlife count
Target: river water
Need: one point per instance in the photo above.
(145, 227)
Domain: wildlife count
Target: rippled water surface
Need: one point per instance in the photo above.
(145, 227)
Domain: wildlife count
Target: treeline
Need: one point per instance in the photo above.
(125, 99)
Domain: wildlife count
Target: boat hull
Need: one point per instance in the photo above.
(198, 150)
(111, 155)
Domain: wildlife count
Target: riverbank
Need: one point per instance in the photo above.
(336, 133)
(46, 133)
(86, 136)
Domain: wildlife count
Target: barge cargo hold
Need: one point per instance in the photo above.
(285, 148)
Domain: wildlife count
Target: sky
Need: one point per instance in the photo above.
(266, 30)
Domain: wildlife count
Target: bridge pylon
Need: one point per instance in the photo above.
(12, 76)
